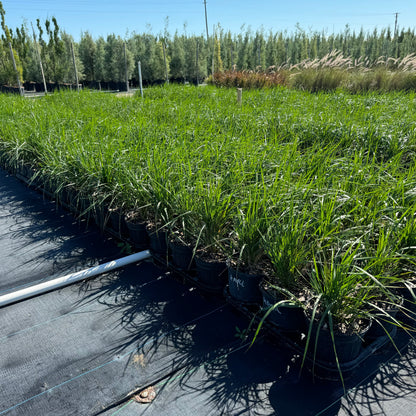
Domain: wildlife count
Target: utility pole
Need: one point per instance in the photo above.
(15, 69)
(396, 40)
(214, 34)
(197, 63)
(126, 76)
(395, 25)
(40, 60)
(206, 19)
(75, 66)
(213, 40)
(140, 78)
(166, 64)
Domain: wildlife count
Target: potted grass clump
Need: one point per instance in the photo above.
(137, 210)
(405, 240)
(181, 243)
(338, 309)
(159, 188)
(98, 205)
(158, 218)
(117, 220)
(390, 259)
(210, 221)
(136, 227)
(181, 232)
(135, 217)
(116, 213)
(84, 205)
(248, 263)
(289, 250)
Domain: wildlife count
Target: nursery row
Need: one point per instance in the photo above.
(320, 79)
(312, 194)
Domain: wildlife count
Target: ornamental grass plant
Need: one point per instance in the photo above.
(319, 187)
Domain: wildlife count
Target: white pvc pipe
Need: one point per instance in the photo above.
(71, 278)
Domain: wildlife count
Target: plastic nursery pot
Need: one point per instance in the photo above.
(34, 179)
(158, 242)
(137, 234)
(100, 215)
(407, 309)
(348, 346)
(287, 318)
(81, 206)
(244, 287)
(182, 255)
(117, 222)
(49, 186)
(384, 326)
(69, 198)
(22, 170)
(212, 275)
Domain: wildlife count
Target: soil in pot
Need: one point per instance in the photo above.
(287, 318)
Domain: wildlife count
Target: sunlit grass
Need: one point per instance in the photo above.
(335, 170)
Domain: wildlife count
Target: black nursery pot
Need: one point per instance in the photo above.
(100, 213)
(348, 346)
(212, 275)
(158, 242)
(286, 318)
(182, 256)
(385, 327)
(117, 223)
(138, 234)
(244, 287)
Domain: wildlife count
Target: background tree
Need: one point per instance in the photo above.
(100, 63)
(87, 51)
(157, 63)
(218, 66)
(196, 57)
(69, 71)
(177, 58)
(271, 50)
(187, 57)
(114, 69)
(243, 54)
(7, 72)
(259, 51)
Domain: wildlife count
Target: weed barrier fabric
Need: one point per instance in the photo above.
(38, 241)
(79, 349)
(264, 380)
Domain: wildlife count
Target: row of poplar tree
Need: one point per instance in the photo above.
(179, 57)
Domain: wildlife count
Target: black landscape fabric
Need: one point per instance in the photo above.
(85, 349)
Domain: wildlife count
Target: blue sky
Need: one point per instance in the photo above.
(122, 17)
